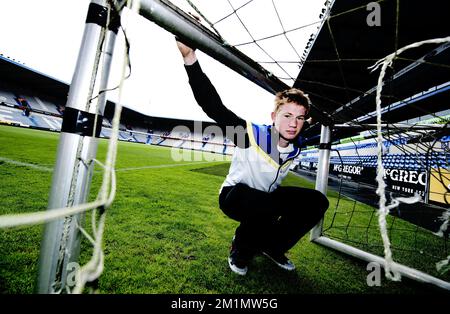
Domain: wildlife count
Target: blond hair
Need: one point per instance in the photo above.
(294, 95)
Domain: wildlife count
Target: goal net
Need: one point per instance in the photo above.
(389, 159)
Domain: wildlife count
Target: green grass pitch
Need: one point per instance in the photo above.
(164, 232)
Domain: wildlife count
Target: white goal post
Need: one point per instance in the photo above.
(77, 148)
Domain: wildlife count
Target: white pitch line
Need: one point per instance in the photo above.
(47, 169)
(166, 166)
(26, 164)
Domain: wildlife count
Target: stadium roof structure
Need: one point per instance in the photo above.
(14, 73)
(336, 74)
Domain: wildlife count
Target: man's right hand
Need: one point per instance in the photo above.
(187, 53)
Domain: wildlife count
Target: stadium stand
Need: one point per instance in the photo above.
(41, 106)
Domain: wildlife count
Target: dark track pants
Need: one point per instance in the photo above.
(272, 221)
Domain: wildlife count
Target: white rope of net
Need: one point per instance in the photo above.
(390, 269)
(444, 265)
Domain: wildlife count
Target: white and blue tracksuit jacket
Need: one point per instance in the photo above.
(257, 161)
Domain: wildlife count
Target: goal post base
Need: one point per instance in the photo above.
(406, 271)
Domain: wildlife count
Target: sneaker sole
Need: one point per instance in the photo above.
(239, 271)
(280, 265)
